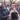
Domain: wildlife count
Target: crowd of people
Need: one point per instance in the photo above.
(5, 11)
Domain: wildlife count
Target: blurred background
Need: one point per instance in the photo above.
(6, 5)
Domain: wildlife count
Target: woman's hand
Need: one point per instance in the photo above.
(9, 15)
(11, 11)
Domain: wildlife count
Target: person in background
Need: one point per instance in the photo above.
(8, 7)
(5, 13)
(18, 8)
(0, 10)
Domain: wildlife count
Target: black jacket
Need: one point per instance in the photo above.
(14, 15)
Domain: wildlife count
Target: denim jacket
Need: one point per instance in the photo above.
(5, 11)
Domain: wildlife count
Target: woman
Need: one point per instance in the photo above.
(13, 10)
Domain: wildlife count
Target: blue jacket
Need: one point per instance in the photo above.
(5, 11)
(5, 14)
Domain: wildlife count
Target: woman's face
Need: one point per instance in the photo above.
(13, 5)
